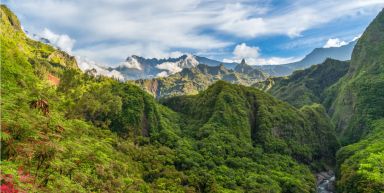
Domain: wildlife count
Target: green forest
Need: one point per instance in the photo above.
(64, 130)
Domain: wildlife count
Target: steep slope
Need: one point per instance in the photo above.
(232, 122)
(359, 95)
(192, 80)
(361, 164)
(358, 113)
(89, 133)
(356, 104)
(243, 67)
(305, 87)
(317, 56)
(257, 119)
(54, 137)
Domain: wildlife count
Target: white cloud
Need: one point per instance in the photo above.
(150, 27)
(293, 19)
(244, 51)
(171, 67)
(110, 30)
(62, 41)
(86, 64)
(334, 42)
(176, 54)
(131, 63)
(253, 57)
(162, 74)
(113, 55)
(357, 37)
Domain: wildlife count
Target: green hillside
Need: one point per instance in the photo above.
(359, 95)
(63, 130)
(361, 164)
(305, 87)
(55, 138)
(66, 131)
(358, 112)
(258, 119)
(353, 96)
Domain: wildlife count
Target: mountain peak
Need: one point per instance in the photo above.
(243, 67)
(243, 62)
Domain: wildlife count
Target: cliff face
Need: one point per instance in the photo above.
(359, 97)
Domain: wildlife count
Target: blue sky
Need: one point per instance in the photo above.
(262, 31)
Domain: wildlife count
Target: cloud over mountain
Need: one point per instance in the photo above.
(253, 57)
(334, 42)
(108, 31)
(62, 41)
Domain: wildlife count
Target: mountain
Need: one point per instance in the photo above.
(192, 80)
(243, 67)
(225, 117)
(246, 69)
(317, 56)
(136, 67)
(63, 130)
(359, 95)
(358, 112)
(353, 97)
(305, 87)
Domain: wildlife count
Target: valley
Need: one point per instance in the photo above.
(191, 124)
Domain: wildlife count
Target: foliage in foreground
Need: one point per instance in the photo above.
(361, 165)
(65, 131)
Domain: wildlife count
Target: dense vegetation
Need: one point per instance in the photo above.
(361, 164)
(358, 112)
(356, 104)
(63, 130)
(305, 87)
(258, 119)
(359, 95)
(68, 131)
(47, 144)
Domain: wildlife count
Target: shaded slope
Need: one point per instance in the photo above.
(52, 140)
(359, 95)
(355, 103)
(358, 113)
(307, 86)
(257, 119)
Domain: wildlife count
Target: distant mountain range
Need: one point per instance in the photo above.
(317, 56)
(193, 80)
(137, 67)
